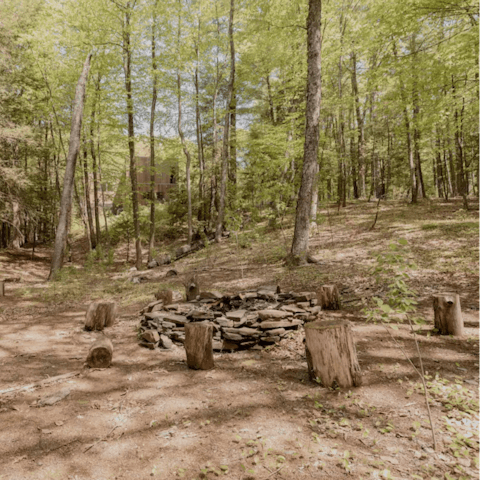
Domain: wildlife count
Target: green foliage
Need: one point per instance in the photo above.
(392, 271)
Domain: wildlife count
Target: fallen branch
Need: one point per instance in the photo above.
(102, 439)
(274, 472)
(41, 383)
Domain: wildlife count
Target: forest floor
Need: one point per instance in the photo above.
(256, 415)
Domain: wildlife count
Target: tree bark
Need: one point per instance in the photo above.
(360, 130)
(100, 353)
(92, 236)
(299, 250)
(100, 315)
(331, 354)
(198, 346)
(328, 297)
(95, 176)
(127, 68)
(73, 148)
(151, 240)
(448, 314)
(225, 150)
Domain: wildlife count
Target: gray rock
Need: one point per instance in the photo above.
(152, 264)
(275, 331)
(163, 259)
(213, 295)
(224, 322)
(292, 308)
(274, 339)
(233, 337)
(273, 314)
(236, 315)
(280, 324)
(166, 342)
(305, 296)
(151, 336)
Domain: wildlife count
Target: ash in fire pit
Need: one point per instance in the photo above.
(255, 317)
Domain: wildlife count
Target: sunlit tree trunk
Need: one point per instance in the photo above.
(74, 146)
(151, 240)
(299, 249)
(225, 151)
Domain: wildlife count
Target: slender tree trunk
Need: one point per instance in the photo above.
(127, 68)
(360, 130)
(198, 123)
(299, 249)
(95, 179)
(182, 138)
(93, 242)
(223, 178)
(410, 152)
(151, 240)
(73, 148)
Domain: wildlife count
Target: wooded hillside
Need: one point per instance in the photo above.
(218, 91)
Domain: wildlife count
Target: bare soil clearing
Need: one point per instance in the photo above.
(256, 415)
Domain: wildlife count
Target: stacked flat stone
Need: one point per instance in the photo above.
(245, 320)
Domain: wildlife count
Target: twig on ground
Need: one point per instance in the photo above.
(274, 472)
(424, 384)
(102, 439)
(61, 446)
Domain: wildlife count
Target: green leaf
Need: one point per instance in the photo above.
(403, 241)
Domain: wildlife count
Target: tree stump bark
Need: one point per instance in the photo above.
(328, 297)
(192, 288)
(100, 315)
(2, 288)
(448, 314)
(198, 345)
(100, 353)
(331, 354)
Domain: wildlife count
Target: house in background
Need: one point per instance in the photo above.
(165, 180)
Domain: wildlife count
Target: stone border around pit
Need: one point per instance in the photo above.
(250, 319)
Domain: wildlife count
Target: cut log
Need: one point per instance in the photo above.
(328, 297)
(100, 353)
(198, 346)
(2, 288)
(192, 288)
(448, 314)
(331, 354)
(100, 315)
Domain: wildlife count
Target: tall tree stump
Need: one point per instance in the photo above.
(100, 353)
(328, 297)
(331, 354)
(192, 288)
(198, 345)
(100, 315)
(448, 314)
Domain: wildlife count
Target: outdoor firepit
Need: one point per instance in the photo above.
(244, 320)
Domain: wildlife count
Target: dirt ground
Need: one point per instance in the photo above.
(256, 415)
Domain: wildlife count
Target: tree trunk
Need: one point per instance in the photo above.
(88, 204)
(73, 148)
(100, 353)
(198, 346)
(331, 354)
(95, 179)
(225, 150)
(151, 240)
(448, 314)
(182, 139)
(198, 123)
(100, 315)
(299, 250)
(127, 68)
(360, 130)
